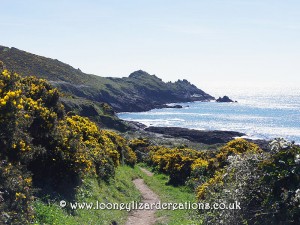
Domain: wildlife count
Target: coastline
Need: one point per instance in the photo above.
(257, 117)
(203, 137)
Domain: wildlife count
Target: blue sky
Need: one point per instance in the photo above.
(211, 43)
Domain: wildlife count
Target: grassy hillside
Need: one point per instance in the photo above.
(101, 113)
(138, 92)
(119, 190)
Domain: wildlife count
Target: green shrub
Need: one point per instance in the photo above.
(41, 144)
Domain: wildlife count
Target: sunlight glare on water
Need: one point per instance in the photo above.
(261, 114)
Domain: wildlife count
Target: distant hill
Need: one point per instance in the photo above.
(138, 92)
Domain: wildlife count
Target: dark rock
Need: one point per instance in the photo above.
(134, 126)
(206, 137)
(174, 106)
(263, 144)
(170, 106)
(1, 65)
(224, 99)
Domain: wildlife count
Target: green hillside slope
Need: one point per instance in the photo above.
(138, 92)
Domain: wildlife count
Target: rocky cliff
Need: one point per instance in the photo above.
(139, 91)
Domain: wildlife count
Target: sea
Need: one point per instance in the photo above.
(260, 113)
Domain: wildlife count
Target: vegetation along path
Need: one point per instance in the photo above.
(143, 217)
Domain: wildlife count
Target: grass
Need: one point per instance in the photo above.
(120, 189)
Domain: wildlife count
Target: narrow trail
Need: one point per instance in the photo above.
(143, 217)
(147, 172)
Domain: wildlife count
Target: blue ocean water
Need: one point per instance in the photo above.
(260, 114)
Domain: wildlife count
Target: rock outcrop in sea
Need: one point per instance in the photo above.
(224, 99)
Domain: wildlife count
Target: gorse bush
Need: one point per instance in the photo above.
(175, 162)
(16, 195)
(41, 146)
(112, 141)
(140, 147)
(266, 184)
(281, 182)
(235, 147)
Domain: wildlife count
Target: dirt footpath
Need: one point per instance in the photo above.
(143, 217)
(147, 172)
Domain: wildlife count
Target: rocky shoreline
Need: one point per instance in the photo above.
(206, 137)
(201, 136)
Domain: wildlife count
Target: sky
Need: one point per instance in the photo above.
(212, 43)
